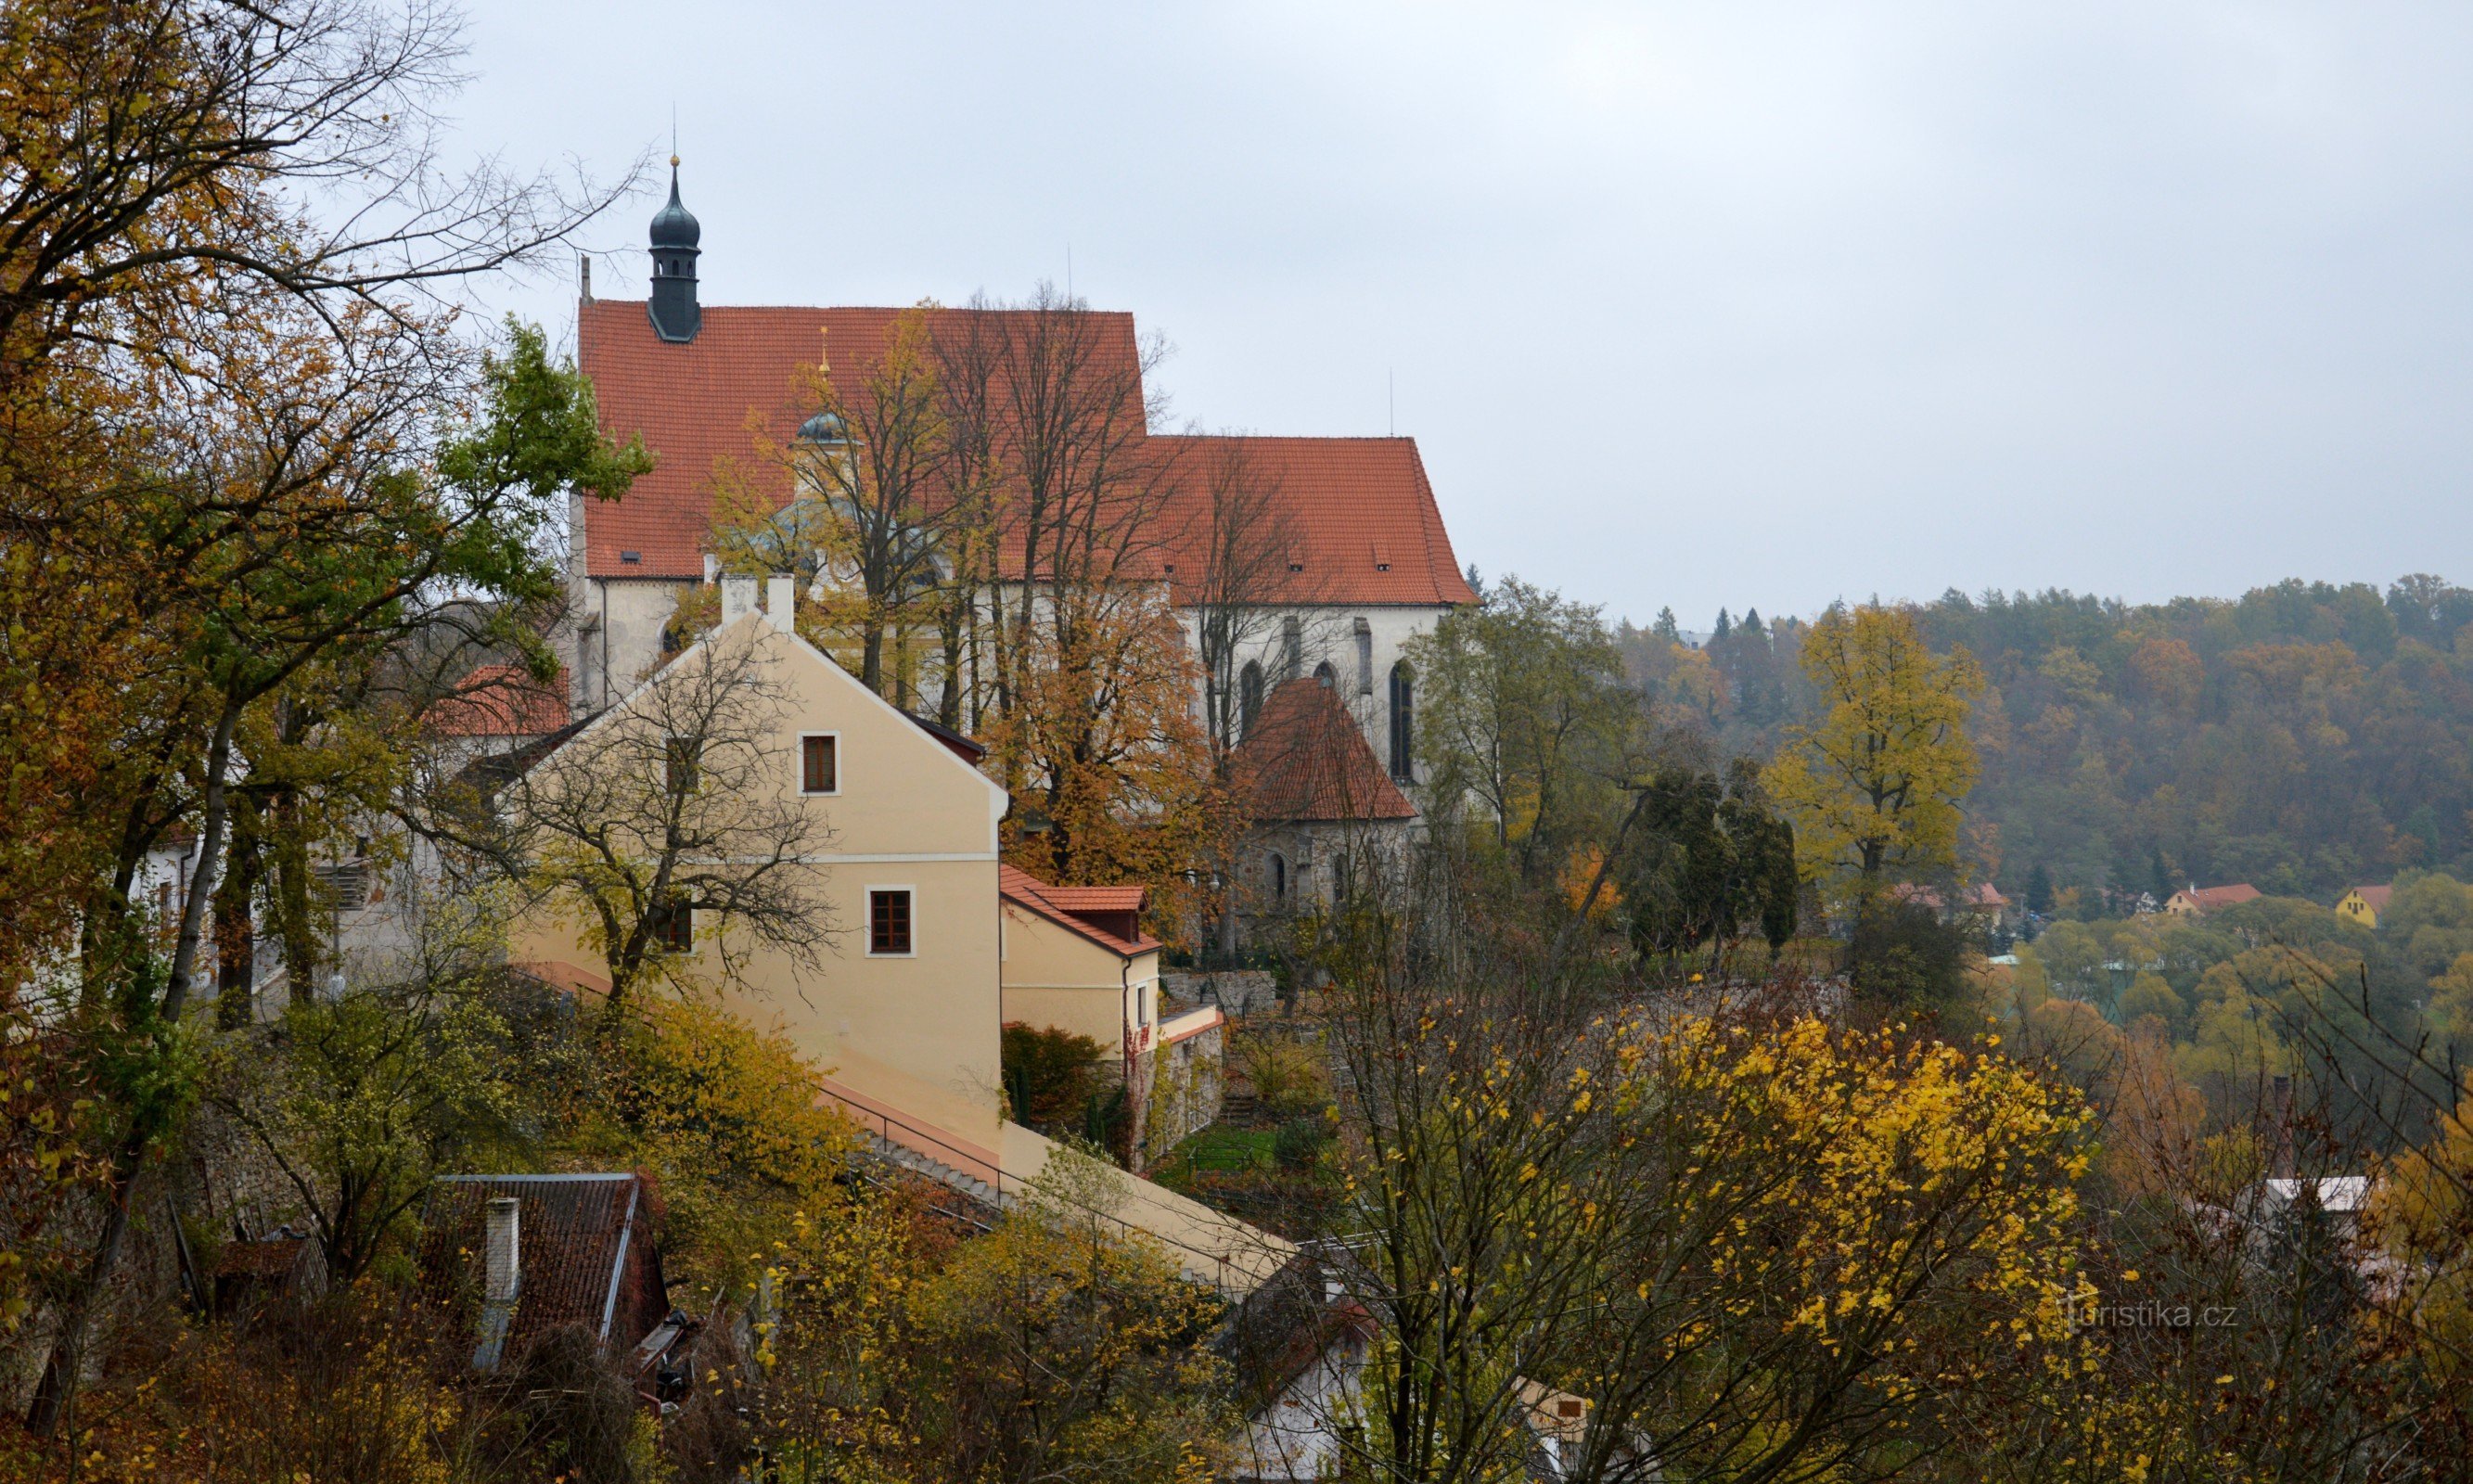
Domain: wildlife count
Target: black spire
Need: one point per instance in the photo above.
(676, 315)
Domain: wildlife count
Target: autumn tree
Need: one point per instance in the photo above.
(1751, 1245)
(1090, 680)
(1873, 783)
(869, 519)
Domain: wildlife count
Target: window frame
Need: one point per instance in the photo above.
(835, 792)
(910, 914)
(664, 942)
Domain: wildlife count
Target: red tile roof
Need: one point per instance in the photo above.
(2375, 897)
(1305, 759)
(1109, 916)
(1357, 514)
(2210, 898)
(584, 1252)
(500, 700)
(694, 404)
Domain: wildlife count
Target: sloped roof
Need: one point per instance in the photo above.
(500, 700)
(578, 1237)
(1097, 913)
(1357, 517)
(693, 405)
(1306, 759)
(2208, 899)
(2375, 897)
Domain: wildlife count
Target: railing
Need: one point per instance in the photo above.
(1009, 1187)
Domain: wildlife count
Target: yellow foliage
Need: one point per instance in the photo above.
(1874, 784)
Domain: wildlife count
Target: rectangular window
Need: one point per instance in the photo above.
(820, 764)
(673, 924)
(888, 923)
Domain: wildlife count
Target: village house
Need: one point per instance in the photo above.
(941, 944)
(2364, 905)
(2197, 902)
(1363, 564)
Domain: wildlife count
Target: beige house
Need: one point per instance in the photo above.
(938, 943)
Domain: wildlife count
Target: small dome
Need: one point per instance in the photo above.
(823, 429)
(674, 225)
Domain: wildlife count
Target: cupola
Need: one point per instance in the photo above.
(676, 316)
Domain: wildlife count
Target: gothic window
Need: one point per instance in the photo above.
(1326, 677)
(1249, 698)
(1404, 737)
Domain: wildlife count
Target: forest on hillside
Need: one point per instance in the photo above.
(2304, 737)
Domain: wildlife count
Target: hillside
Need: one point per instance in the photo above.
(2304, 737)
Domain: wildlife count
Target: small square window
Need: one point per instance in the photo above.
(888, 923)
(820, 765)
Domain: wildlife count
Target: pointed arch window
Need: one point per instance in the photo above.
(1404, 722)
(1249, 698)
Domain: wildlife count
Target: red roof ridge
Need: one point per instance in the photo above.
(1017, 885)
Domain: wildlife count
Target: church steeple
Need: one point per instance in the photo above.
(676, 315)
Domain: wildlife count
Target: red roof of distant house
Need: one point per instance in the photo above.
(1110, 916)
(2375, 897)
(2209, 898)
(501, 701)
(1357, 515)
(1305, 759)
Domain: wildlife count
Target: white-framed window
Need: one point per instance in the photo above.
(892, 923)
(820, 763)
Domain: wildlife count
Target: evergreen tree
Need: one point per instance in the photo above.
(1666, 628)
(2039, 891)
(1717, 635)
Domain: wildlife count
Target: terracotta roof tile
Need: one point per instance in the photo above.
(500, 700)
(1360, 512)
(1107, 914)
(584, 1243)
(2375, 897)
(1306, 759)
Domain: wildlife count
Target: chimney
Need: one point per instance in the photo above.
(501, 1276)
(781, 602)
(584, 269)
(738, 599)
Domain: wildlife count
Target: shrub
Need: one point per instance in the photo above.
(1287, 1077)
(1298, 1143)
(1051, 1075)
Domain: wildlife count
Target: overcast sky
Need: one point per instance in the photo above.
(1728, 303)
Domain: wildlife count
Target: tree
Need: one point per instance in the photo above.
(1524, 715)
(1707, 860)
(863, 517)
(360, 1099)
(1873, 784)
(1752, 1245)
(664, 827)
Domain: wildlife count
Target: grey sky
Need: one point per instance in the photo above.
(1733, 303)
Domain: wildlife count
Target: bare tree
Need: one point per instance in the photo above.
(667, 834)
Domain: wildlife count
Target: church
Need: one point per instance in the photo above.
(1358, 563)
